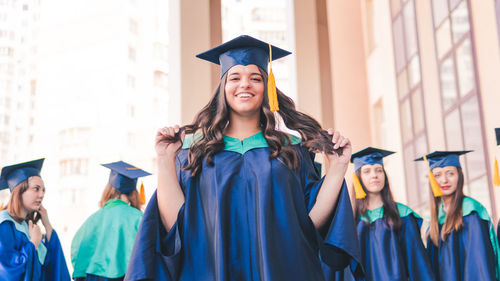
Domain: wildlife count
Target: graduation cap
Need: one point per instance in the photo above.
(367, 156)
(245, 50)
(123, 177)
(13, 175)
(496, 174)
(440, 159)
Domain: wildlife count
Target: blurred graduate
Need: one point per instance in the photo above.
(25, 254)
(461, 243)
(101, 248)
(239, 199)
(388, 232)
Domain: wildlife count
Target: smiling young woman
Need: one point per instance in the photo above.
(239, 199)
(30, 257)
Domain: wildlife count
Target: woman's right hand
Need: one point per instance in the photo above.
(35, 233)
(164, 147)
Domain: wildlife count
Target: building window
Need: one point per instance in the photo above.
(410, 98)
(160, 79)
(133, 26)
(460, 93)
(160, 51)
(131, 81)
(70, 167)
(131, 53)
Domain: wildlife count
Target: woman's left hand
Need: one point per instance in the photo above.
(339, 141)
(45, 221)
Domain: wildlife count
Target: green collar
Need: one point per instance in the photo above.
(239, 146)
(114, 202)
(372, 215)
(469, 205)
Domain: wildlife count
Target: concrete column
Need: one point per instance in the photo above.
(314, 84)
(194, 27)
(350, 103)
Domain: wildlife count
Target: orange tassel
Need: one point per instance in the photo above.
(496, 174)
(358, 189)
(271, 85)
(142, 194)
(434, 185)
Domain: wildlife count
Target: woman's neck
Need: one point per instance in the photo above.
(446, 202)
(242, 127)
(374, 201)
(124, 198)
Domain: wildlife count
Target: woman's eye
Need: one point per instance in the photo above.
(257, 79)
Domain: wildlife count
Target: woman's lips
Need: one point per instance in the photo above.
(445, 187)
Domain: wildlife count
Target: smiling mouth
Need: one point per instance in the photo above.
(445, 187)
(244, 95)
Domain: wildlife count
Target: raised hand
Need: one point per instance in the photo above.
(168, 141)
(344, 155)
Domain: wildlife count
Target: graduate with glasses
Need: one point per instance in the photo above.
(461, 242)
(101, 247)
(25, 254)
(240, 199)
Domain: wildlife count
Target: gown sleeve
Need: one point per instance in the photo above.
(339, 246)
(156, 252)
(417, 260)
(479, 258)
(55, 267)
(18, 256)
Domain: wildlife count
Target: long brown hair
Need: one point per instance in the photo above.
(391, 213)
(15, 205)
(214, 117)
(454, 217)
(113, 193)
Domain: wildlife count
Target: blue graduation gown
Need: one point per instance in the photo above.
(470, 253)
(19, 259)
(387, 254)
(245, 218)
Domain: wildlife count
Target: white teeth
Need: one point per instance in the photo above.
(244, 95)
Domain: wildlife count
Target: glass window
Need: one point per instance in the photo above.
(448, 83)
(417, 109)
(460, 22)
(406, 127)
(478, 189)
(399, 49)
(443, 38)
(453, 131)
(473, 138)
(403, 84)
(414, 71)
(410, 30)
(465, 68)
(440, 11)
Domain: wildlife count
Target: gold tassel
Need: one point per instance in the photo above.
(142, 194)
(434, 185)
(496, 174)
(358, 189)
(1, 206)
(271, 85)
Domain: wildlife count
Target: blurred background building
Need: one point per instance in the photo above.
(89, 83)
